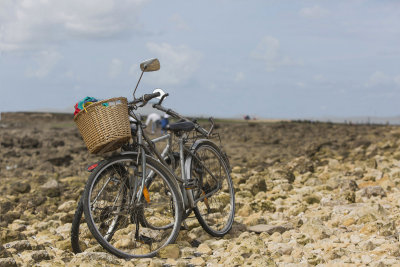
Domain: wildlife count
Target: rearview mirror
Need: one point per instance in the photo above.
(150, 65)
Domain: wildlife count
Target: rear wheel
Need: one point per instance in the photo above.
(216, 209)
(124, 223)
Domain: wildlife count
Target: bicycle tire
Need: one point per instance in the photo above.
(129, 242)
(76, 248)
(81, 237)
(76, 222)
(216, 212)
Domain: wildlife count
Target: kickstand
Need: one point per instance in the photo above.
(184, 225)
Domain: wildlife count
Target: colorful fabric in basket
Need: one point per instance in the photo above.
(84, 103)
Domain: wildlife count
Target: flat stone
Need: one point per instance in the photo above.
(67, 206)
(373, 191)
(204, 249)
(169, 251)
(19, 245)
(40, 255)
(4, 253)
(270, 229)
(198, 261)
(8, 262)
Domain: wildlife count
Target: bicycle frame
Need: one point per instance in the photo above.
(184, 183)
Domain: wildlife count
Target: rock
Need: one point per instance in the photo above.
(58, 143)
(7, 141)
(6, 206)
(51, 188)
(198, 261)
(19, 245)
(8, 235)
(156, 263)
(100, 258)
(257, 185)
(169, 251)
(285, 175)
(8, 262)
(348, 184)
(204, 249)
(315, 229)
(28, 142)
(20, 187)
(375, 191)
(270, 229)
(311, 199)
(67, 206)
(10, 216)
(366, 259)
(4, 253)
(40, 255)
(61, 161)
(238, 169)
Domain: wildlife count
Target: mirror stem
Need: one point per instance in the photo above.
(134, 98)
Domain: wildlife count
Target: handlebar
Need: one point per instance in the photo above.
(144, 99)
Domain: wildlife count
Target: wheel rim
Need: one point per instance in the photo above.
(216, 211)
(136, 230)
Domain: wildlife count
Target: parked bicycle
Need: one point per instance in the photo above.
(134, 202)
(81, 235)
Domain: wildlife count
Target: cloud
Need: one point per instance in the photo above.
(115, 67)
(30, 24)
(314, 12)
(46, 61)
(378, 78)
(269, 51)
(239, 76)
(301, 84)
(397, 80)
(178, 63)
(180, 24)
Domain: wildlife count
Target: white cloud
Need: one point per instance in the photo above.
(301, 84)
(178, 63)
(179, 22)
(115, 67)
(269, 51)
(397, 80)
(378, 78)
(319, 78)
(27, 24)
(46, 61)
(239, 76)
(314, 12)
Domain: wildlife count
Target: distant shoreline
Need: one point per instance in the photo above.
(29, 116)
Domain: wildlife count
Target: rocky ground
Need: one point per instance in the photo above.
(306, 194)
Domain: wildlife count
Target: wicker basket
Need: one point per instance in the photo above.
(104, 128)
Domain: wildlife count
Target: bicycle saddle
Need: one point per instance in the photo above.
(185, 126)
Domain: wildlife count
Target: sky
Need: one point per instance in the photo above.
(265, 58)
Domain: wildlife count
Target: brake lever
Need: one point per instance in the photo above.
(162, 98)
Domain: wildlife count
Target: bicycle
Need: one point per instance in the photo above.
(76, 232)
(139, 208)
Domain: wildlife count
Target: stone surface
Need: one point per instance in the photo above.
(270, 229)
(306, 194)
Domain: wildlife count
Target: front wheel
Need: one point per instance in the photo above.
(125, 224)
(216, 209)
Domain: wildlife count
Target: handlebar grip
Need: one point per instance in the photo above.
(148, 97)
